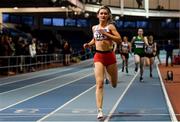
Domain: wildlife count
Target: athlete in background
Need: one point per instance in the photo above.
(139, 42)
(125, 49)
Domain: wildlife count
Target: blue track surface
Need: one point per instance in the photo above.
(143, 102)
(69, 95)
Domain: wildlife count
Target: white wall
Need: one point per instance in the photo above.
(175, 4)
(1, 18)
(167, 4)
(153, 4)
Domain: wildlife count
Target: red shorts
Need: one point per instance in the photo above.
(106, 58)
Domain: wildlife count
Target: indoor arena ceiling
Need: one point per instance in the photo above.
(33, 3)
(77, 6)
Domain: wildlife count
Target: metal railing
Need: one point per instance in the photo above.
(10, 65)
(23, 63)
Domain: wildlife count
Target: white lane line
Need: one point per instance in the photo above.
(65, 104)
(45, 91)
(78, 114)
(33, 77)
(120, 98)
(170, 108)
(39, 93)
(39, 82)
(41, 73)
(53, 112)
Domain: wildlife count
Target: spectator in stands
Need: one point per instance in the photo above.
(51, 47)
(6, 51)
(66, 53)
(21, 52)
(32, 51)
(169, 52)
(12, 46)
(83, 53)
(139, 2)
(12, 54)
(2, 53)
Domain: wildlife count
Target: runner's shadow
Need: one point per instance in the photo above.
(102, 119)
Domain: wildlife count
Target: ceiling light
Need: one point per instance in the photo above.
(16, 8)
(53, 1)
(86, 15)
(117, 18)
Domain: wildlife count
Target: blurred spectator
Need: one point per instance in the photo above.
(32, 52)
(6, 50)
(66, 53)
(169, 52)
(2, 53)
(160, 7)
(139, 2)
(88, 52)
(21, 51)
(12, 59)
(50, 47)
(12, 46)
(83, 53)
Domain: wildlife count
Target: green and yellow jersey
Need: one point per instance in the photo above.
(139, 46)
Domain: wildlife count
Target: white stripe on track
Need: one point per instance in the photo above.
(42, 72)
(14, 81)
(170, 108)
(65, 104)
(69, 102)
(120, 98)
(45, 92)
(38, 83)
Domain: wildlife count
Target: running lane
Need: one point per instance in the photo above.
(36, 108)
(26, 82)
(83, 108)
(143, 101)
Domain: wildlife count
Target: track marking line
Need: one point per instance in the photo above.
(169, 105)
(53, 112)
(38, 75)
(120, 98)
(39, 82)
(45, 92)
(65, 104)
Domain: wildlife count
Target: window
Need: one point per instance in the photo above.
(15, 19)
(28, 20)
(129, 24)
(119, 24)
(177, 24)
(82, 23)
(58, 22)
(47, 21)
(70, 22)
(5, 18)
(168, 25)
(142, 24)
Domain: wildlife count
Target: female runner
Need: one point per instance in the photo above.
(104, 59)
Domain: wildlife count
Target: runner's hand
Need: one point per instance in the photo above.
(86, 45)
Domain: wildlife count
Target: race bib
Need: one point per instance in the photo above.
(139, 46)
(149, 50)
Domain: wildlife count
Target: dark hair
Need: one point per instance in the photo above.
(110, 20)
